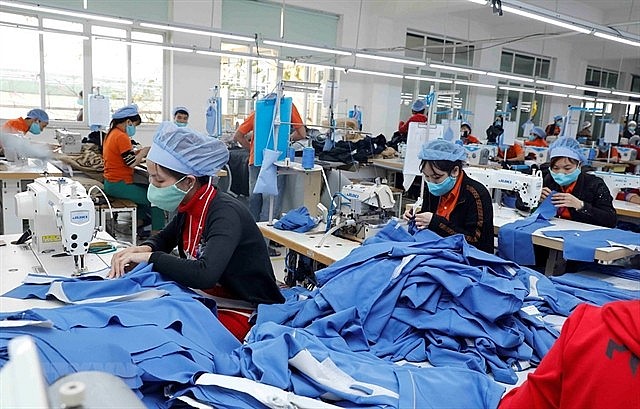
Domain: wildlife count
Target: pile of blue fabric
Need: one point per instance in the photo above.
(610, 284)
(298, 220)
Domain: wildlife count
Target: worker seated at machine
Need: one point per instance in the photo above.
(514, 153)
(537, 137)
(453, 203)
(579, 196)
(465, 134)
(607, 152)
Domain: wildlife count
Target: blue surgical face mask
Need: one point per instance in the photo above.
(131, 130)
(180, 124)
(80, 101)
(565, 179)
(532, 137)
(35, 128)
(442, 188)
(632, 129)
(166, 198)
(498, 123)
(558, 123)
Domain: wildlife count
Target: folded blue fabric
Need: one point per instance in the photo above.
(298, 220)
(581, 245)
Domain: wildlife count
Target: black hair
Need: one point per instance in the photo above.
(80, 93)
(181, 111)
(418, 112)
(203, 180)
(553, 161)
(115, 122)
(443, 165)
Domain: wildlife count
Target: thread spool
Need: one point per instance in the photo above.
(72, 394)
(292, 154)
(308, 155)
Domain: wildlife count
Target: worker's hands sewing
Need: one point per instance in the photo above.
(566, 200)
(125, 260)
(545, 193)
(421, 220)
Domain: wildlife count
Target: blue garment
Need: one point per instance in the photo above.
(514, 239)
(581, 245)
(297, 220)
(267, 182)
(593, 289)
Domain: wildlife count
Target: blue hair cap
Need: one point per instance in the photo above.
(442, 150)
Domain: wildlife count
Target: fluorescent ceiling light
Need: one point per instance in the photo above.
(600, 90)
(626, 94)
(44, 31)
(483, 2)
(461, 69)
(613, 101)
(307, 47)
(582, 97)
(151, 44)
(545, 19)
(618, 39)
(527, 90)
(431, 79)
(391, 59)
(232, 55)
(555, 84)
(198, 32)
(553, 94)
(381, 74)
(511, 77)
(63, 12)
(312, 65)
(474, 84)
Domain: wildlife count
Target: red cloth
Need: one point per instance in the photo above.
(449, 200)
(471, 139)
(537, 142)
(513, 152)
(196, 213)
(237, 324)
(594, 364)
(404, 126)
(563, 212)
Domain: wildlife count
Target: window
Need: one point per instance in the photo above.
(635, 83)
(423, 46)
(525, 64)
(146, 76)
(519, 106)
(598, 77)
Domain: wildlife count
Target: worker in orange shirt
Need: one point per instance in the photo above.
(515, 153)
(537, 137)
(465, 134)
(35, 122)
(603, 151)
(260, 210)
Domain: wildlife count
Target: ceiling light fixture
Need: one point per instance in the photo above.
(307, 47)
(600, 90)
(188, 30)
(427, 79)
(555, 84)
(232, 55)
(626, 94)
(511, 77)
(44, 31)
(553, 94)
(460, 69)
(618, 39)
(582, 97)
(545, 19)
(391, 59)
(527, 90)
(474, 84)
(63, 12)
(612, 101)
(378, 73)
(483, 2)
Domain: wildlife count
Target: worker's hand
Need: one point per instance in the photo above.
(125, 260)
(422, 220)
(408, 214)
(545, 193)
(144, 150)
(566, 200)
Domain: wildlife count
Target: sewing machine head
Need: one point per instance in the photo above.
(61, 217)
(71, 142)
(627, 154)
(618, 181)
(540, 154)
(369, 206)
(479, 154)
(528, 187)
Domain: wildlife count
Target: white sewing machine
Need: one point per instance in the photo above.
(478, 154)
(618, 181)
(627, 154)
(71, 142)
(368, 207)
(541, 153)
(61, 218)
(528, 187)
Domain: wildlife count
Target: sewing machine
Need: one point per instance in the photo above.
(540, 153)
(71, 142)
(368, 207)
(618, 181)
(627, 154)
(528, 187)
(478, 154)
(61, 218)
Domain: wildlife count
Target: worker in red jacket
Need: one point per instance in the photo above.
(594, 364)
(417, 115)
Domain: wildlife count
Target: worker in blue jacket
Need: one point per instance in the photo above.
(453, 202)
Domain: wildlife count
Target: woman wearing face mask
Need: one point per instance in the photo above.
(495, 130)
(221, 249)
(554, 128)
(35, 122)
(453, 202)
(537, 138)
(120, 159)
(465, 134)
(579, 196)
(607, 151)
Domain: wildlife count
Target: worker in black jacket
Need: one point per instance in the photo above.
(221, 248)
(579, 196)
(453, 202)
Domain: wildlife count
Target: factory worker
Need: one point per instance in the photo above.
(630, 130)
(220, 247)
(181, 116)
(465, 134)
(495, 130)
(579, 196)
(537, 137)
(418, 108)
(120, 159)
(35, 122)
(554, 127)
(453, 202)
(585, 130)
(515, 152)
(607, 151)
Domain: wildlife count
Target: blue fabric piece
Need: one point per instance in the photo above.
(514, 239)
(298, 220)
(594, 290)
(267, 183)
(581, 245)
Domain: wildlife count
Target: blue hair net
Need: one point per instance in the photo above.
(187, 151)
(180, 108)
(418, 105)
(38, 114)
(555, 118)
(539, 132)
(126, 112)
(566, 147)
(467, 124)
(442, 150)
